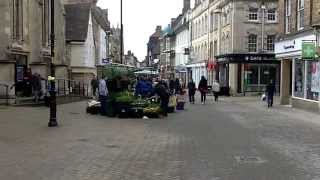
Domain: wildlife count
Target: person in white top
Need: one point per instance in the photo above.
(216, 89)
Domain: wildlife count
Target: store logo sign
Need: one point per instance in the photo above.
(308, 50)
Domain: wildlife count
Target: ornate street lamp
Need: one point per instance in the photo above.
(53, 103)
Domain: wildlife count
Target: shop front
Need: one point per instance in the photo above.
(196, 70)
(247, 73)
(300, 76)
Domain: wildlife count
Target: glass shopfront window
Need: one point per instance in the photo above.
(299, 78)
(313, 80)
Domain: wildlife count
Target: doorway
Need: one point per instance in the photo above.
(286, 82)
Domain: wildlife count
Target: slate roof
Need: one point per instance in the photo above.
(77, 21)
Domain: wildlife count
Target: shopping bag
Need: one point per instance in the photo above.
(172, 101)
(263, 97)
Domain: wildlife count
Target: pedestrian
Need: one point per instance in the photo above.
(191, 91)
(203, 88)
(164, 95)
(103, 95)
(27, 86)
(216, 89)
(94, 85)
(270, 90)
(177, 86)
(36, 86)
(171, 85)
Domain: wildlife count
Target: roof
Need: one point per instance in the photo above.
(77, 21)
(100, 16)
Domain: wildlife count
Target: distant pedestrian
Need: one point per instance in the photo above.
(191, 91)
(36, 87)
(94, 85)
(103, 95)
(177, 86)
(270, 90)
(216, 90)
(171, 85)
(164, 95)
(203, 88)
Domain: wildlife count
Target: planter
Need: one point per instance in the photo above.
(135, 112)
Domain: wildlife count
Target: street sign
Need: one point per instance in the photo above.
(308, 50)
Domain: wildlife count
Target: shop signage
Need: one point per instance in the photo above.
(308, 50)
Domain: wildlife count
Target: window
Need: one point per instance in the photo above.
(252, 43)
(288, 16)
(313, 80)
(272, 15)
(270, 42)
(211, 21)
(17, 19)
(216, 21)
(206, 24)
(300, 18)
(253, 14)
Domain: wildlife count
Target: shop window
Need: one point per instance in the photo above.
(313, 80)
(252, 75)
(299, 78)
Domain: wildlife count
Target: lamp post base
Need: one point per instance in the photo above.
(53, 123)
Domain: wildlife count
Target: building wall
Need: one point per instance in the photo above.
(83, 54)
(31, 44)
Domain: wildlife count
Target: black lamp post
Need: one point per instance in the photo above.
(121, 34)
(53, 105)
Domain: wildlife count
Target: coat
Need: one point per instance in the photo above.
(203, 86)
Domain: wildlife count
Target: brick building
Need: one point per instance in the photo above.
(300, 75)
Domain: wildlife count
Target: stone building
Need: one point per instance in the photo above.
(153, 48)
(25, 40)
(199, 31)
(80, 41)
(115, 44)
(182, 42)
(130, 59)
(300, 74)
(246, 35)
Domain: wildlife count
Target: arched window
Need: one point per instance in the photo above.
(206, 24)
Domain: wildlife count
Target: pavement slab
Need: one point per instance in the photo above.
(234, 139)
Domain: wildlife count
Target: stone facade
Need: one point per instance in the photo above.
(25, 40)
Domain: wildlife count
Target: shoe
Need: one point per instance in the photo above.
(202, 103)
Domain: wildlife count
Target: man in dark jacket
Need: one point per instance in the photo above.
(270, 90)
(191, 91)
(164, 95)
(36, 86)
(203, 88)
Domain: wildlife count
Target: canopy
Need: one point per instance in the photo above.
(146, 72)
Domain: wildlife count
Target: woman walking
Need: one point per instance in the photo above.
(203, 88)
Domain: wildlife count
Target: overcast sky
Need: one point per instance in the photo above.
(140, 18)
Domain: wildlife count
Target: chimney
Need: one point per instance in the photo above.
(186, 6)
(158, 29)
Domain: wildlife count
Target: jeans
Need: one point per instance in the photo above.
(270, 100)
(191, 98)
(164, 106)
(103, 102)
(203, 96)
(216, 96)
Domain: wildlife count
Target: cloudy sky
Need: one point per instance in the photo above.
(140, 18)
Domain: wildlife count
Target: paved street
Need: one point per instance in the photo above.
(234, 139)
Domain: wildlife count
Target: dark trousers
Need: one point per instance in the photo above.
(270, 100)
(203, 96)
(164, 106)
(103, 102)
(191, 98)
(216, 96)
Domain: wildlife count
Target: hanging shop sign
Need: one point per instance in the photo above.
(308, 50)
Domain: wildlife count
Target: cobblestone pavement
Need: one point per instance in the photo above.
(234, 139)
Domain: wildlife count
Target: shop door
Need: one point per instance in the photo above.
(20, 70)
